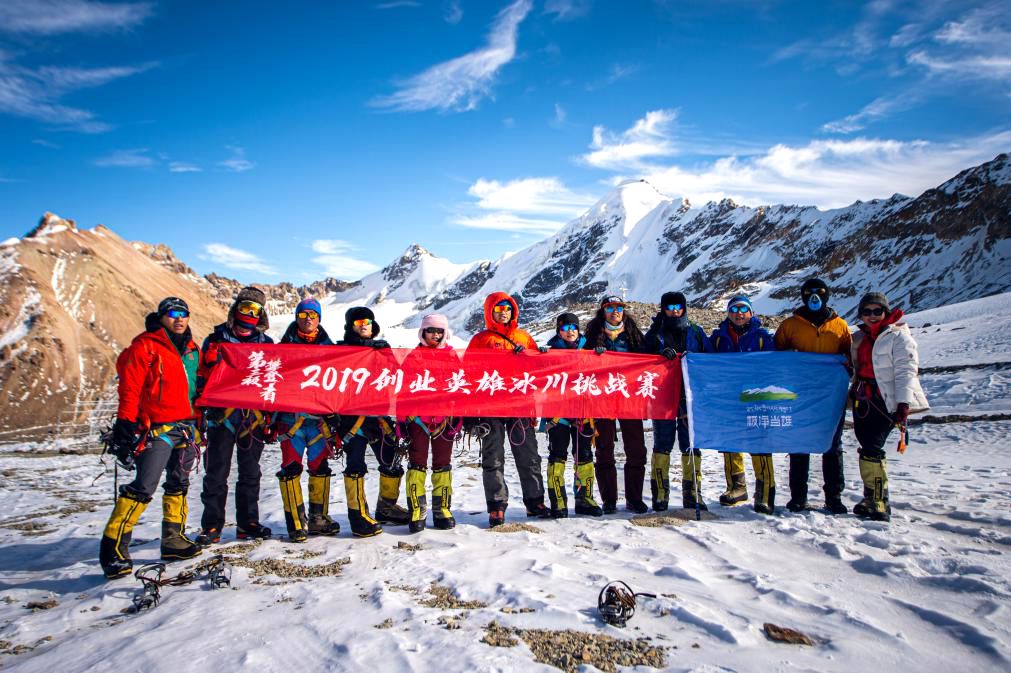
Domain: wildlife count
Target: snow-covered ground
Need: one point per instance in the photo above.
(927, 592)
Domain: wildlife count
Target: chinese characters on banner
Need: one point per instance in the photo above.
(401, 382)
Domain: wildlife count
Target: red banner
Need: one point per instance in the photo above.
(402, 382)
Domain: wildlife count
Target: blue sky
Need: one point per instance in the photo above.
(292, 141)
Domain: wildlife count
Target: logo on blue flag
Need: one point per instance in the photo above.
(767, 402)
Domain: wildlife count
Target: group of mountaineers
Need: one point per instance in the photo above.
(158, 430)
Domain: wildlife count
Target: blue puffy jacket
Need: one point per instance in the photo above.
(757, 338)
(557, 342)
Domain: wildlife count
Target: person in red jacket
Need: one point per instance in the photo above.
(154, 431)
(502, 332)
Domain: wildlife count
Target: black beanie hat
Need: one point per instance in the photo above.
(171, 303)
(812, 285)
(567, 319)
(875, 298)
(673, 298)
(358, 313)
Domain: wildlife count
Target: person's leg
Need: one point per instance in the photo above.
(659, 479)
(247, 489)
(417, 472)
(765, 483)
(217, 464)
(175, 507)
(800, 464)
(607, 473)
(362, 523)
(832, 472)
(442, 483)
(293, 445)
(559, 438)
(737, 487)
(872, 432)
(633, 441)
(523, 443)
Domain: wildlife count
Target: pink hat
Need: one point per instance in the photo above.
(436, 320)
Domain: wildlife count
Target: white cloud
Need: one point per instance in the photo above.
(878, 108)
(238, 162)
(461, 83)
(558, 121)
(52, 17)
(41, 142)
(339, 259)
(528, 205)
(397, 4)
(565, 10)
(649, 137)
(183, 167)
(980, 66)
(511, 222)
(233, 258)
(132, 158)
(617, 72)
(452, 11)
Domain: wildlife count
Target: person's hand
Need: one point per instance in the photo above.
(518, 348)
(599, 350)
(380, 343)
(333, 423)
(124, 433)
(669, 353)
(543, 349)
(901, 413)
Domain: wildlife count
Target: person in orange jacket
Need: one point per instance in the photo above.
(816, 328)
(154, 432)
(502, 332)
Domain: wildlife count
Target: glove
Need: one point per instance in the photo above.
(124, 442)
(901, 413)
(543, 349)
(380, 343)
(599, 350)
(269, 434)
(214, 414)
(518, 348)
(669, 353)
(333, 423)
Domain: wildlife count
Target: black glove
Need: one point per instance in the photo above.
(669, 353)
(380, 343)
(518, 348)
(901, 413)
(599, 350)
(543, 349)
(124, 442)
(333, 423)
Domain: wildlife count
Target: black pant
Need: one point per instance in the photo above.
(831, 469)
(519, 433)
(221, 443)
(561, 436)
(171, 453)
(872, 424)
(369, 434)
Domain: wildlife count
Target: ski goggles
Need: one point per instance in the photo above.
(673, 307)
(568, 328)
(872, 311)
(177, 313)
(362, 322)
(614, 309)
(249, 308)
(739, 308)
(306, 315)
(502, 308)
(435, 330)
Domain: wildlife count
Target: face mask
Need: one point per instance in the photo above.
(814, 302)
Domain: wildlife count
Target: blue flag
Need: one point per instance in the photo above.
(784, 402)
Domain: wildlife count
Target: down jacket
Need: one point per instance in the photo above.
(156, 383)
(896, 367)
(497, 335)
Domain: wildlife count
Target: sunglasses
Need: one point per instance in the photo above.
(673, 307)
(502, 308)
(303, 315)
(363, 322)
(435, 330)
(820, 291)
(249, 308)
(872, 311)
(177, 313)
(568, 328)
(614, 309)
(740, 308)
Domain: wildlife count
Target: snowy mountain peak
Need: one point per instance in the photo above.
(51, 224)
(406, 263)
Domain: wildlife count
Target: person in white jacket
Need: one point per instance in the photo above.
(886, 389)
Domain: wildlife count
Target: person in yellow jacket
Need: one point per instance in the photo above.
(816, 328)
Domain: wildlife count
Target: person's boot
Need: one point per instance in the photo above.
(737, 487)
(294, 506)
(362, 523)
(387, 509)
(691, 482)
(875, 504)
(417, 503)
(252, 531)
(320, 522)
(496, 516)
(174, 543)
(765, 484)
(208, 536)
(585, 504)
(659, 481)
(114, 552)
(442, 499)
(536, 509)
(556, 490)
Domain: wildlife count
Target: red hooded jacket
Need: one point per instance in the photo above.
(497, 335)
(156, 383)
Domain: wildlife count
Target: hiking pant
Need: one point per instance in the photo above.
(369, 434)
(872, 424)
(421, 440)
(570, 433)
(308, 439)
(171, 452)
(221, 444)
(634, 442)
(831, 468)
(523, 442)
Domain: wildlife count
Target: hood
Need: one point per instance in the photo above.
(490, 324)
(436, 320)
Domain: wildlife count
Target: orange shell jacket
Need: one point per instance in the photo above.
(799, 334)
(497, 335)
(155, 383)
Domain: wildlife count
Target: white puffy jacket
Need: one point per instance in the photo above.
(896, 367)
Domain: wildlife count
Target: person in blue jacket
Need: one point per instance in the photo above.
(563, 432)
(742, 332)
(670, 335)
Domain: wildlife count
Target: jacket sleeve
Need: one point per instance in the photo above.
(846, 344)
(132, 366)
(704, 342)
(782, 337)
(906, 361)
(651, 342)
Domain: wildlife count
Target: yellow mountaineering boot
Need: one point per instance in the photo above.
(442, 498)
(691, 481)
(417, 504)
(320, 522)
(583, 487)
(737, 487)
(556, 490)
(765, 483)
(874, 505)
(387, 509)
(114, 553)
(659, 481)
(362, 523)
(294, 506)
(174, 543)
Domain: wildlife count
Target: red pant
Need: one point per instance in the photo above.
(442, 446)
